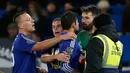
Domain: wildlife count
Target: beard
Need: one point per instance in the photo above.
(87, 27)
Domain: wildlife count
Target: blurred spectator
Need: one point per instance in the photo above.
(34, 9)
(6, 18)
(51, 9)
(126, 19)
(10, 6)
(104, 6)
(40, 21)
(68, 6)
(12, 31)
(21, 3)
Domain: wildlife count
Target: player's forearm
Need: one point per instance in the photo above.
(46, 43)
(48, 58)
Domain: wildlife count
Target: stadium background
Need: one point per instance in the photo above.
(44, 11)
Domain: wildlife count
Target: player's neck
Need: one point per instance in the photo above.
(69, 30)
(28, 34)
(92, 30)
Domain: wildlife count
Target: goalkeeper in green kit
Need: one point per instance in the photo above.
(88, 14)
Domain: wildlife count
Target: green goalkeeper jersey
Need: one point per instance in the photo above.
(83, 38)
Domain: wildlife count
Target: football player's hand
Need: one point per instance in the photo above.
(62, 57)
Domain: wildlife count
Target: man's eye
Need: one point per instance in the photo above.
(28, 19)
(59, 25)
(86, 17)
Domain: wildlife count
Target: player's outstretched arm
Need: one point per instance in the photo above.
(51, 42)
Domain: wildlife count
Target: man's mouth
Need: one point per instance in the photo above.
(83, 25)
(33, 25)
(56, 32)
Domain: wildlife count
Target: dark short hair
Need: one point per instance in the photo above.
(56, 19)
(67, 19)
(90, 8)
(15, 18)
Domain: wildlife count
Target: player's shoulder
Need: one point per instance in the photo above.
(65, 42)
(17, 41)
(75, 42)
(20, 38)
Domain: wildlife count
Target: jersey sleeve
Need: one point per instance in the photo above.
(26, 44)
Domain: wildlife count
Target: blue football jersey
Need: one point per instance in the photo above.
(72, 48)
(23, 58)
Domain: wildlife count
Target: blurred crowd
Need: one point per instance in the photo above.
(44, 11)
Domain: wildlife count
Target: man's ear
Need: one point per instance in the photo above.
(20, 26)
(73, 25)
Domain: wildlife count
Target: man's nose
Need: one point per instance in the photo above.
(83, 20)
(33, 20)
(55, 28)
